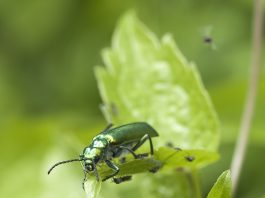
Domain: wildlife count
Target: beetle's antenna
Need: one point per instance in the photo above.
(63, 162)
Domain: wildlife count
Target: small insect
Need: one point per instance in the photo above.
(208, 38)
(112, 143)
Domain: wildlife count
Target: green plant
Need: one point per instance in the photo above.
(150, 80)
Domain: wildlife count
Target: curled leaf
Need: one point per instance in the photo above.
(92, 188)
(173, 158)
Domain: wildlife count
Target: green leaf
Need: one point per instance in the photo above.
(150, 80)
(222, 187)
(172, 158)
(164, 157)
(132, 167)
(145, 79)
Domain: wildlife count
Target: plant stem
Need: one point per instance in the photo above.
(192, 177)
(241, 145)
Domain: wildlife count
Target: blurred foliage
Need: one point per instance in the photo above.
(49, 103)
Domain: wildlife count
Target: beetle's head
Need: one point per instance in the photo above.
(88, 165)
(91, 155)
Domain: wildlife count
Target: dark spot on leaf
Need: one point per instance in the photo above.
(119, 180)
(177, 149)
(155, 169)
(190, 158)
(122, 160)
(180, 169)
(170, 145)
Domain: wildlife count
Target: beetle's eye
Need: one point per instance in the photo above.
(89, 167)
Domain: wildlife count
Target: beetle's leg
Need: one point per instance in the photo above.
(119, 180)
(84, 180)
(129, 150)
(113, 167)
(118, 151)
(142, 140)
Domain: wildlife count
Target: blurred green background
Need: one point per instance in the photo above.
(49, 102)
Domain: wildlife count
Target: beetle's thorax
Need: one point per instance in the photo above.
(106, 139)
(96, 149)
(92, 153)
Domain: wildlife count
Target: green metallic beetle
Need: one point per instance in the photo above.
(111, 143)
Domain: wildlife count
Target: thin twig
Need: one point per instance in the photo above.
(241, 145)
